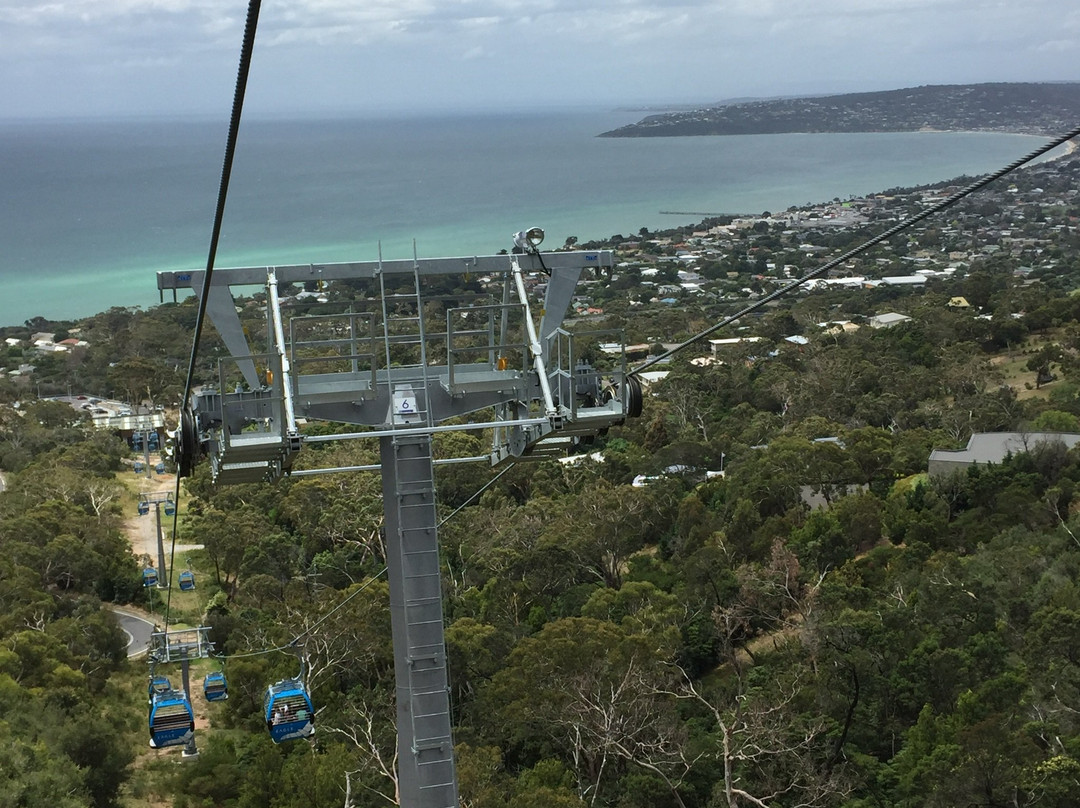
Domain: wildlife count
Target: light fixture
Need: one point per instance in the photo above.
(529, 240)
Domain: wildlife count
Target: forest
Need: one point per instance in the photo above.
(697, 642)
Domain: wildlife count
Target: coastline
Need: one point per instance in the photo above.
(81, 248)
(1070, 146)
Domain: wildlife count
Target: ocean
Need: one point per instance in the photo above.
(90, 210)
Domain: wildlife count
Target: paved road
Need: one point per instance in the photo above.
(138, 630)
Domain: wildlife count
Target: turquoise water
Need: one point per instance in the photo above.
(91, 210)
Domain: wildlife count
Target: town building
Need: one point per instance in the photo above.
(994, 447)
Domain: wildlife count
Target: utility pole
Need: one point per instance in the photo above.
(157, 499)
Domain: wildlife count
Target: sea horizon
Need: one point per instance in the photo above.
(94, 208)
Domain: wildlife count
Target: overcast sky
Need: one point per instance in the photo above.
(108, 57)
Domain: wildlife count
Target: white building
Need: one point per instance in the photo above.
(888, 320)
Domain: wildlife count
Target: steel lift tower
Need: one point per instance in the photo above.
(402, 371)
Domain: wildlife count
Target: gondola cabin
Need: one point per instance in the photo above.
(139, 467)
(172, 722)
(149, 577)
(170, 507)
(186, 581)
(159, 468)
(158, 684)
(287, 710)
(144, 508)
(215, 688)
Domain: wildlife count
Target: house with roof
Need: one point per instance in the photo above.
(888, 320)
(903, 280)
(49, 347)
(729, 342)
(839, 327)
(993, 447)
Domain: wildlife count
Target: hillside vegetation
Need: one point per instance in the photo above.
(1041, 109)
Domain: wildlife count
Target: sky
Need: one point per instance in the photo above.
(78, 58)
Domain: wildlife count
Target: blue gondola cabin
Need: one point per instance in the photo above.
(170, 507)
(144, 508)
(187, 581)
(158, 684)
(215, 688)
(287, 710)
(149, 577)
(172, 722)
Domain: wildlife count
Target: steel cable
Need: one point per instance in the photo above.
(244, 69)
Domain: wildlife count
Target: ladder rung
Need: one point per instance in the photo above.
(430, 745)
(433, 650)
(439, 656)
(418, 623)
(424, 658)
(432, 669)
(434, 740)
(432, 715)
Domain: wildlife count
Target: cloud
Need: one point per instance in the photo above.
(1058, 46)
(354, 21)
(474, 53)
(623, 50)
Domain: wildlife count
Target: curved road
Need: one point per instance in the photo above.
(138, 630)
